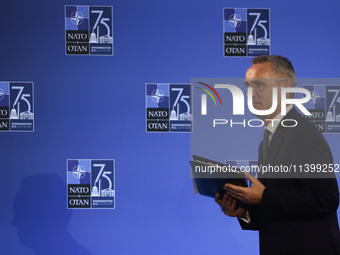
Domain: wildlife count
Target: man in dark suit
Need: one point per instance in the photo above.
(294, 212)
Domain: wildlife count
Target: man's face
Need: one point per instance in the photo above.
(263, 98)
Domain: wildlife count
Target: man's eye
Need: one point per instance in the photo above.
(257, 84)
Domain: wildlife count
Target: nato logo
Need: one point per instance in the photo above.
(324, 106)
(89, 30)
(16, 106)
(250, 166)
(90, 183)
(168, 107)
(246, 32)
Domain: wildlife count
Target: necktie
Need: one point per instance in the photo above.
(265, 143)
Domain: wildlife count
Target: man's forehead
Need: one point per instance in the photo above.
(261, 70)
(263, 80)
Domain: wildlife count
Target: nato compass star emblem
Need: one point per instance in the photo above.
(157, 95)
(315, 97)
(2, 94)
(235, 20)
(77, 18)
(79, 172)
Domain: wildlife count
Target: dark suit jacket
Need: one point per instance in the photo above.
(297, 215)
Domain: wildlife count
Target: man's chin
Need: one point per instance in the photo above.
(258, 106)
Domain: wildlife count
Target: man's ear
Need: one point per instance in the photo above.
(286, 83)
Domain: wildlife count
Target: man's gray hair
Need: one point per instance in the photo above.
(280, 64)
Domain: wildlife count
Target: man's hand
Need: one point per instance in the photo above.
(228, 206)
(251, 195)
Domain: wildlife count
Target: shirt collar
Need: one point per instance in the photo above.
(272, 126)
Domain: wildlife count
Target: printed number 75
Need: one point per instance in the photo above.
(23, 97)
(180, 91)
(259, 23)
(102, 21)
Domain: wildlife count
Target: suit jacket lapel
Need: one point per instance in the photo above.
(260, 163)
(272, 151)
(275, 143)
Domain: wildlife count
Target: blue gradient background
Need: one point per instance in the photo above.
(92, 107)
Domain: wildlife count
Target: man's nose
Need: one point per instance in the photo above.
(255, 93)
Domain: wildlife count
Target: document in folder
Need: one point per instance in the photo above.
(210, 176)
